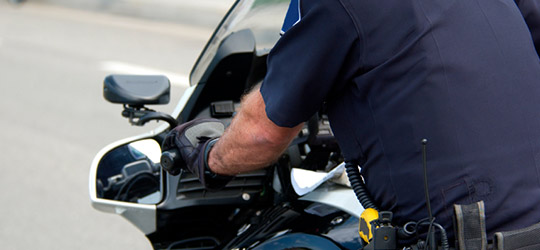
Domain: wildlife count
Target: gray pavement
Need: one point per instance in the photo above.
(53, 118)
(205, 13)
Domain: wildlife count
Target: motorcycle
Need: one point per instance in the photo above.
(300, 202)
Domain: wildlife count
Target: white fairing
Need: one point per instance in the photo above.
(337, 196)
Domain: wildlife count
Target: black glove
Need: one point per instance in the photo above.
(187, 147)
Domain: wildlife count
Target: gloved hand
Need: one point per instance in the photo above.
(187, 147)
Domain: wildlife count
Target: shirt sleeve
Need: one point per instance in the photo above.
(530, 9)
(313, 58)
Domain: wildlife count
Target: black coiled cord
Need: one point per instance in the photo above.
(444, 237)
(358, 185)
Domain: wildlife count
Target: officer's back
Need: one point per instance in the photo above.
(463, 74)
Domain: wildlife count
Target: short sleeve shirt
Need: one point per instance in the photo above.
(463, 74)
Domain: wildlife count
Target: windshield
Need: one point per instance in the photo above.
(263, 17)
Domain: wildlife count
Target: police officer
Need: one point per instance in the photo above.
(462, 73)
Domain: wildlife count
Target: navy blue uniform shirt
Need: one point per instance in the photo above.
(462, 73)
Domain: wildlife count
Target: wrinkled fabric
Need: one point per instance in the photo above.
(463, 74)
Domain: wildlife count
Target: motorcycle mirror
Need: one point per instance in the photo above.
(137, 90)
(130, 173)
(125, 180)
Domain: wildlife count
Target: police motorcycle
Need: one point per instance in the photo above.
(303, 201)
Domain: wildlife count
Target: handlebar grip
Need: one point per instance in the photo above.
(171, 161)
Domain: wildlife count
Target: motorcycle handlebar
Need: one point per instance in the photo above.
(169, 159)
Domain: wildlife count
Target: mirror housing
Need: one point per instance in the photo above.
(137, 90)
(140, 212)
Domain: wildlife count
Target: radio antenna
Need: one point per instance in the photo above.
(430, 240)
(424, 162)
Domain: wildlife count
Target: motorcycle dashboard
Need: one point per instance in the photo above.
(222, 110)
(316, 131)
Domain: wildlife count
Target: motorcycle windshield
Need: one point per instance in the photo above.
(263, 17)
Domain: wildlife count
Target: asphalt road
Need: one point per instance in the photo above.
(53, 118)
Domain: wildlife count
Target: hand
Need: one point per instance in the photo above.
(191, 142)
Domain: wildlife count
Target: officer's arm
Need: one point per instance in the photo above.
(530, 9)
(252, 141)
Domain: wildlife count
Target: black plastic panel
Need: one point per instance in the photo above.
(137, 90)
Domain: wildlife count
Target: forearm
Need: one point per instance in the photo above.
(252, 141)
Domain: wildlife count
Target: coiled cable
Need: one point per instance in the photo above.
(358, 185)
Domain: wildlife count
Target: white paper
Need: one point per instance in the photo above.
(305, 181)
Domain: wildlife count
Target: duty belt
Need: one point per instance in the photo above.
(471, 232)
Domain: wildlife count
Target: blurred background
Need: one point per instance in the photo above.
(54, 55)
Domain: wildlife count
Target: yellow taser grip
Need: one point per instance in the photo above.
(364, 229)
